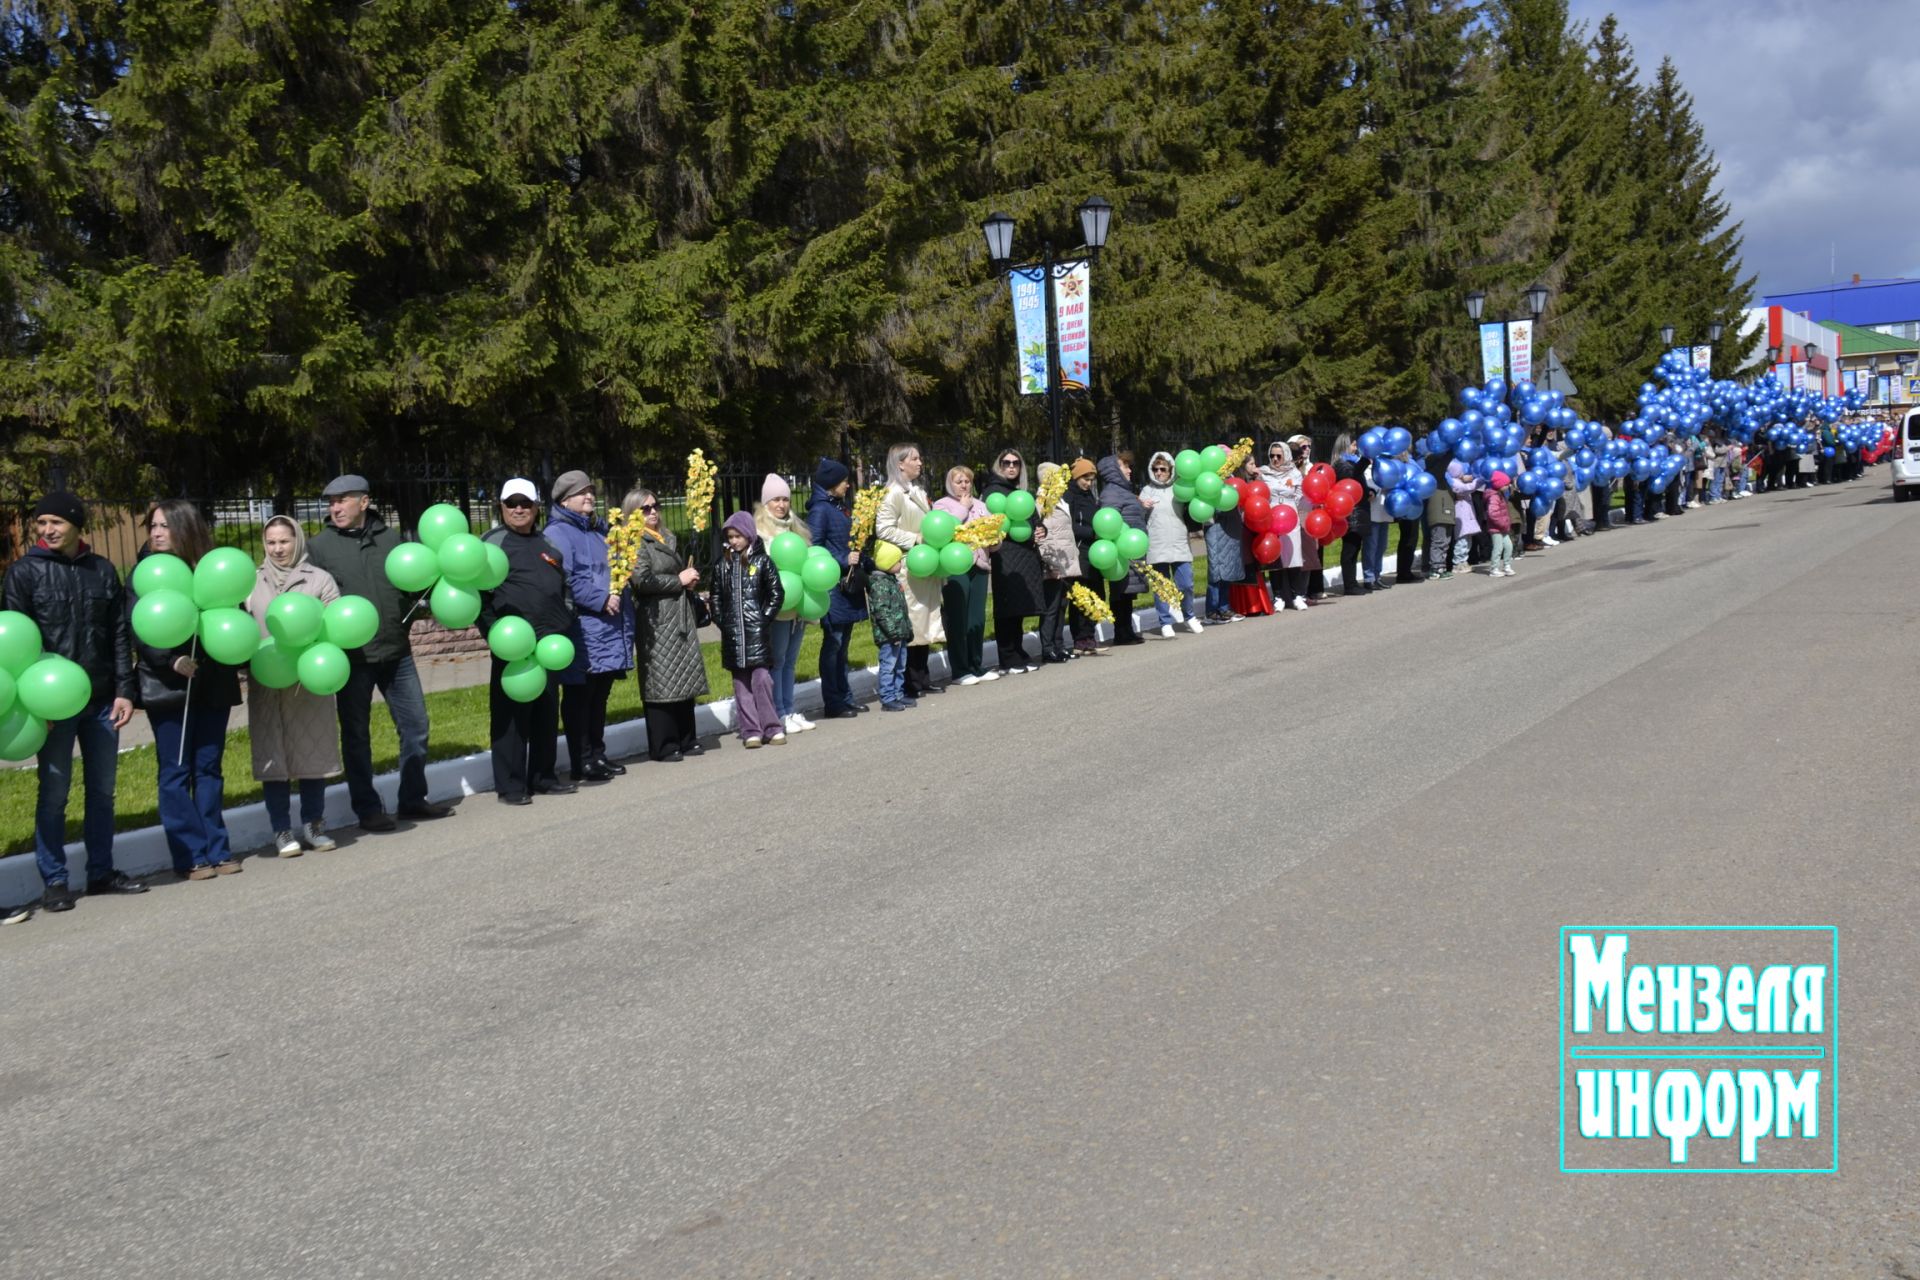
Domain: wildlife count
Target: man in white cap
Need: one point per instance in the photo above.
(525, 734)
(353, 547)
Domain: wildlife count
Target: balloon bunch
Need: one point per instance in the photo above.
(450, 562)
(1267, 523)
(307, 642)
(1115, 545)
(1198, 483)
(528, 661)
(809, 573)
(1018, 507)
(1405, 485)
(1490, 431)
(1333, 501)
(34, 688)
(177, 604)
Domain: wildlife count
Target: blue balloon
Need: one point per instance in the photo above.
(1373, 442)
(1403, 505)
(1469, 450)
(1399, 439)
(1386, 473)
(1422, 483)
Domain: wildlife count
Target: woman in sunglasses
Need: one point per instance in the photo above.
(1019, 584)
(1169, 542)
(673, 676)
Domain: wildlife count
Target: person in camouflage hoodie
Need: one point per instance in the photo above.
(892, 625)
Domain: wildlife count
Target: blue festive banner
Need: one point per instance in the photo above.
(1493, 352)
(1030, 327)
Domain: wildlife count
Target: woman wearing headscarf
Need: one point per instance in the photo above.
(188, 698)
(673, 675)
(830, 521)
(1169, 544)
(1060, 562)
(1019, 580)
(902, 508)
(296, 740)
(773, 517)
(1116, 491)
(1283, 479)
(1301, 446)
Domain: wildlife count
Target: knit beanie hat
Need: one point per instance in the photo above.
(1081, 467)
(829, 473)
(774, 487)
(65, 505)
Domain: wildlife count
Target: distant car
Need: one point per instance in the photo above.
(1905, 458)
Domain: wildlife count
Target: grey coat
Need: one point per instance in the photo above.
(666, 641)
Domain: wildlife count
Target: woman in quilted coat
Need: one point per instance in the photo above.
(673, 675)
(296, 738)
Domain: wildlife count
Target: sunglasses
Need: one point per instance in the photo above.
(517, 503)
(649, 506)
(1009, 462)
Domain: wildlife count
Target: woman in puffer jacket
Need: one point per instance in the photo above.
(1061, 567)
(1169, 549)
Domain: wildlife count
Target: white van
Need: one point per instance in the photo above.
(1905, 457)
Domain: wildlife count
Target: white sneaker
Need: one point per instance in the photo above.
(1693, 504)
(751, 743)
(1166, 631)
(804, 723)
(778, 739)
(316, 837)
(1300, 603)
(1193, 625)
(1548, 540)
(286, 845)
(967, 681)
(989, 675)
(1659, 515)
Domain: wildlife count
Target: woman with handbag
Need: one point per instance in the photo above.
(904, 505)
(294, 734)
(668, 615)
(830, 521)
(187, 697)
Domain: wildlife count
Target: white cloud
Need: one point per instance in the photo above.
(1805, 107)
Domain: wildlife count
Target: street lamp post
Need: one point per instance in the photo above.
(1536, 296)
(1096, 215)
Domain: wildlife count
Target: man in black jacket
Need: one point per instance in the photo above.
(353, 548)
(76, 599)
(525, 746)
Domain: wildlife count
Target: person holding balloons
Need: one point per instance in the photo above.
(903, 507)
(772, 518)
(1287, 570)
(535, 604)
(67, 650)
(963, 596)
(603, 627)
(353, 548)
(188, 695)
(1169, 541)
(292, 729)
(1301, 446)
(1350, 468)
(1251, 596)
(1019, 577)
(830, 524)
(1083, 505)
(1117, 495)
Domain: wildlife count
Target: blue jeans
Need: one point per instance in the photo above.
(99, 763)
(1181, 571)
(836, 690)
(1716, 484)
(1217, 596)
(893, 672)
(279, 798)
(190, 791)
(1375, 549)
(783, 639)
(1636, 497)
(399, 683)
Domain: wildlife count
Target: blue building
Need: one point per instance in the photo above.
(1884, 306)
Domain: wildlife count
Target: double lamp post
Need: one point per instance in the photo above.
(1096, 215)
(1536, 296)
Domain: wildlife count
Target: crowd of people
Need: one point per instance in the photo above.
(559, 580)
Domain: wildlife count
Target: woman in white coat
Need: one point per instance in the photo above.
(904, 505)
(1288, 574)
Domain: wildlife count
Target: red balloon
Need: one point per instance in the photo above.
(1258, 519)
(1352, 489)
(1340, 503)
(1319, 525)
(1339, 529)
(1240, 485)
(1318, 483)
(1255, 498)
(1285, 520)
(1266, 548)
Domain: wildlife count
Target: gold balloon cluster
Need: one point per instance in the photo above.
(700, 476)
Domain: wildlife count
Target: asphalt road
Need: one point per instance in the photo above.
(1227, 956)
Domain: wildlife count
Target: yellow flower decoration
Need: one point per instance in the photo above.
(700, 476)
(1089, 604)
(623, 546)
(866, 508)
(1052, 489)
(1237, 457)
(1165, 589)
(988, 531)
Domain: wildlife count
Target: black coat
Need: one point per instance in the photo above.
(535, 588)
(81, 610)
(161, 688)
(1019, 579)
(1344, 470)
(1081, 505)
(746, 599)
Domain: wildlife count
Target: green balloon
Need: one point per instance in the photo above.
(412, 566)
(20, 641)
(1212, 458)
(1019, 506)
(1182, 491)
(820, 574)
(165, 619)
(1020, 532)
(1115, 571)
(54, 688)
(351, 621)
(791, 588)
(295, 619)
(496, 567)
(229, 636)
(323, 669)
(22, 733)
(7, 688)
(511, 639)
(463, 558)
(996, 505)
(1133, 544)
(1103, 555)
(454, 607)
(788, 551)
(955, 559)
(555, 653)
(1229, 498)
(923, 561)
(223, 578)
(438, 523)
(1207, 488)
(1186, 465)
(162, 572)
(814, 606)
(1200, 510)
(1107, 523)
(273, 666)
(525, 680)
(936, 529)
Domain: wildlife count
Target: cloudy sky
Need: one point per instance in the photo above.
(1809, 109)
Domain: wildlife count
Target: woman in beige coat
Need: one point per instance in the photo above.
(904, 505)
(294, 733)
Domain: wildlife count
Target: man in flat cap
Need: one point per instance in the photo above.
(75, 598)
(353, 547)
